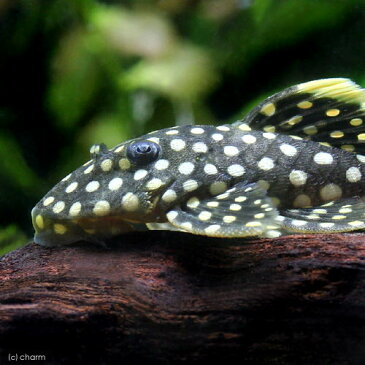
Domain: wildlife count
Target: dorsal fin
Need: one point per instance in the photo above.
(331, 111)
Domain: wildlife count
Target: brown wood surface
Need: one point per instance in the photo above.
(170, 298)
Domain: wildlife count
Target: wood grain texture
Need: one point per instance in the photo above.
(169, 297)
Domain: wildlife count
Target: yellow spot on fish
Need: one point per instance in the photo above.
(356, 122)
(106, 165)
(268, 109)
(305, 104)
(310, 130)
(124, 164)
(294, 120)
(39, 221)
(269, 128)
(361, 137)
(348, 147)
(337, 134)
(332, 112)
(302, 201)
(119, 149)
(59, 228)
(218, 187)
(244, 127)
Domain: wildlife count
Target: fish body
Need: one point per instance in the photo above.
(293, 164)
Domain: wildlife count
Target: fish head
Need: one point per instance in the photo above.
(135, 182)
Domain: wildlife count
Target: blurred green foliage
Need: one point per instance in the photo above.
(78, 72)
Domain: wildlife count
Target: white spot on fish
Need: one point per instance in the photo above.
(89, 169)
(130, 202)
(140, 174)
(212, 228)
(106, 165)
(190, 185)
(177, 145)
(58, 207)
(115, 183)
(298, 177)
(72, 187)
(169, 196)
(171, 215)
(330, 192)
(101, 208)
(288, 150)
(154, 184)
(200, 147)
(162, 164)
(92, 186)
(197, 130)
(248, 138)
(75, 209)
(323, 158)
(193, 202)
(236, 170)
(223, 128)
(230, 151)
(266, 164)
(217, 136)
(204, 215)
(48, 201)
(210, 169)
(186, 168)
(353, 174)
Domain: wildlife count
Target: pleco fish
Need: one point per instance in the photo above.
(293, 164)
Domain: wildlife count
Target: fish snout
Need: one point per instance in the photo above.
(54, 232)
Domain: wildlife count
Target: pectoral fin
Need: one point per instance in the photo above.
(242, 211)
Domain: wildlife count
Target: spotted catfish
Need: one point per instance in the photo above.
(293, 164)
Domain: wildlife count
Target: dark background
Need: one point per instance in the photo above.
(78, 72)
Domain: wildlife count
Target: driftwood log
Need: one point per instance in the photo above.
(169, 298)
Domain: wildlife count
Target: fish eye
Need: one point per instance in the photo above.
(143, 152)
